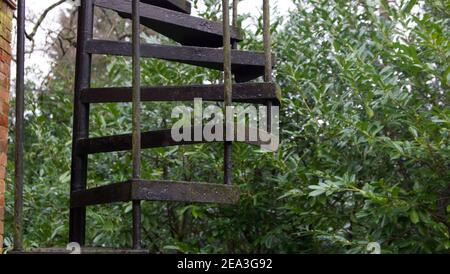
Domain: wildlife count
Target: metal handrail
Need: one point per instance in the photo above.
(228, 89)
(268, 57)
(136, 119)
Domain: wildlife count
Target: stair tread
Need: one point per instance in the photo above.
(150, 139)
(182, 28)
(245, 65)
(156, 190)
(257, 93)
(176, 5)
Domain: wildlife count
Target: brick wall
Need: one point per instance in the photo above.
(6, 15)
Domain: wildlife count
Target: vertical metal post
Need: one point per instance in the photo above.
(77, 222)
(268, 57)
(136, 120)
(234, 21)
(235, 13)
(227, 88)
(267, 41)
(20, 104)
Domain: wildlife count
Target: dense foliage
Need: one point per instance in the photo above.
(364, 156)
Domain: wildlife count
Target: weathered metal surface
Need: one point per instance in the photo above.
(183, 28)
(78, 182)
(142, 190)
(256, 93)
(268, 56)
(137, 223)
(151, 139)
(245, 65)
(176, 5)
(136, 92)
(19, 129)
(235, 13)
(228, 89)
(136, 106)
(184, 192)
(118, 192)
(267, 41)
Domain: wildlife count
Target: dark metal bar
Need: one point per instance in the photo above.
(136, 147)
(267, 41)
(176, 5)
(228, 92)
(160, 190)
(136, 92)
(235, 13)
(268, 57)
(151, 139)
(20, 105)
(183, 28)
(77, 222)
(234, 22)
(136, 224)
(255, 93)
(246, 65)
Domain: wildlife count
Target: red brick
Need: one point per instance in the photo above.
(4, 108)
(2, 213)
(3, 146)
(3, 159)
(2, 186)
(3, 120)
(4, 95)
(2, 173)
(3, 134)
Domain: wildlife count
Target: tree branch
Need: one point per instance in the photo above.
(30, 36)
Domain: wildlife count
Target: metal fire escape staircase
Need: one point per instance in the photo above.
(202, 43)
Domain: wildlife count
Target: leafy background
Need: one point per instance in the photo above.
(364, 155)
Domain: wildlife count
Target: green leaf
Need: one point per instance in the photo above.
(413, 216)
(291, 193)
(413, 131)
(409, 6)
(317, 192)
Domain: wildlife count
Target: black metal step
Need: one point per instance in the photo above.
(176, 5)
(142, 190)
(150, 139)
(256, 93)
(245, 65)
(183, 28)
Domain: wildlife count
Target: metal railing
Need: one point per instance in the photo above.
(136, 139)
(227, 75)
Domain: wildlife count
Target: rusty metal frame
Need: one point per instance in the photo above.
(77, 222)
(136, 105)
(228, 89)
(268, 57)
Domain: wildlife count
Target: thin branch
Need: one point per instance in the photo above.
(30, 36)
